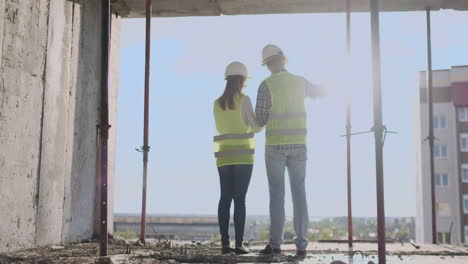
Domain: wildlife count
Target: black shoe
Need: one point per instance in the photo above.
(227, 250)
(270, 250)
(301, 254)
(241, 250)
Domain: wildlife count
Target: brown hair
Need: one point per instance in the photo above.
(234, 86)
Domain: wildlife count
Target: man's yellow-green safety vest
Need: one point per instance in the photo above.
(235, 142)
(287, 123)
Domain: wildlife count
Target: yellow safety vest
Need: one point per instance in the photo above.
(235, 142)
(287, 123)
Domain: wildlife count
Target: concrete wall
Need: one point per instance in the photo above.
(49, 103)
(22, 86)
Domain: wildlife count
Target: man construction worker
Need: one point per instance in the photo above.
(281, 107)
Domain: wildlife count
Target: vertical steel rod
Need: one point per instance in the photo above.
(348, 125)
(378, 128)
(104, 124)
(145, 147)
(431, 126)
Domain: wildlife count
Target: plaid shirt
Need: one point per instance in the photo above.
(263, 106)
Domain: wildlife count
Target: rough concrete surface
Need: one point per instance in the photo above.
(128, 252)
(55, 126)
(50, 68)
(21, 103)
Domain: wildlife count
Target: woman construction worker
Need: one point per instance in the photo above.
(234, 152)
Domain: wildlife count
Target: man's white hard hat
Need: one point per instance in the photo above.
(236, 68)
(269, 51)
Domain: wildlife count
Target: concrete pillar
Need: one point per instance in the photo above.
(23, 53)
(55, 126)
(80, 192)
(113, 104)
(50, 72)
(2, 17)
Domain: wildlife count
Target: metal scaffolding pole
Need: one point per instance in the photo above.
(145, 148)
(378, 128)
(348, 125)
(104, 124)
(431, 126)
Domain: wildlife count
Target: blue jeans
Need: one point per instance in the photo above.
(276, 162)
(234, 181)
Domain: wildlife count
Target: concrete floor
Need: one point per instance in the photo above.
(394, 248)
(209, 252)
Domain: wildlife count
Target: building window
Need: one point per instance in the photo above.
(442, 122)
(463, 114)
(465, 173)
(464, 142)
(465, 203)
(440, 150)
(441, 179)
(443, 151)
(439, 122)
(443, 209)
(466, 235)
(445, 179)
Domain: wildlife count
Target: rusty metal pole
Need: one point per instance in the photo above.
(104, 124)
(348, 125)
(145, 147)
(431, 126)
(378, 128)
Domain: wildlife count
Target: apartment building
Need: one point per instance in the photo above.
(450, 122)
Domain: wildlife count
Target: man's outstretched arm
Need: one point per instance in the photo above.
(314, 91)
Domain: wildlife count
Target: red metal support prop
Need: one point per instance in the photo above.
(104, 124)
(348, 126)
(378, 128)
(145, 148)
(431, 126)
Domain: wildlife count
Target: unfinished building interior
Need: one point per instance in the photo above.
(53, 70)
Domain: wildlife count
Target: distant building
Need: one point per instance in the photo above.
(181, 227)
(450, 98)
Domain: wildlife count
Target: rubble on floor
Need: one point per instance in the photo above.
(121, 251)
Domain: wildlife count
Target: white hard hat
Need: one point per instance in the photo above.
(269, 51)
(236, 68)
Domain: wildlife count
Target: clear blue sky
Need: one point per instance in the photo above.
(188, 59)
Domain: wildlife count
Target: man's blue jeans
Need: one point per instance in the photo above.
(276, 162)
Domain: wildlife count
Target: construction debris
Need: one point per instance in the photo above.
(165, 251)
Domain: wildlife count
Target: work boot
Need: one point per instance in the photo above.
(301, 253)
(270, 250)
(241, 250)
(227, 250)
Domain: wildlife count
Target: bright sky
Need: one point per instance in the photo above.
(189, 56)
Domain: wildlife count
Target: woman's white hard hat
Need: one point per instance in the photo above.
(236, 68)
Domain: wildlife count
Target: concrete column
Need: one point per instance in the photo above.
(113, 104)
(50, 72)
(80, 192)
(71, 88)
(55, 127)
(2, 17)
(23, 53)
